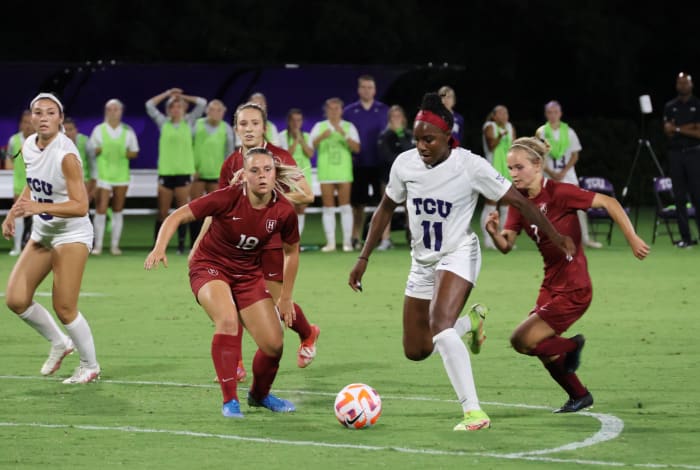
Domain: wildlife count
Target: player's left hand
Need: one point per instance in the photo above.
(639, 248)
(285, 309)
(355, 280)
(567, 245)
(154, 257)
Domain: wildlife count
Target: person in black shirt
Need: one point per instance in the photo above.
(682, 126)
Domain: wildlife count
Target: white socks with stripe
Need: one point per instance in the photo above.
(457, 362)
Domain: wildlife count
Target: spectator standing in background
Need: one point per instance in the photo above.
(175, 152)
(682, 126)
(298, 143)
(396, 139)
(15, 162)
(213, 142)
(335, 140)
(81, 141)
(496, 137)
(449, 99)
(369, 118)
(271, 134)
(563, 155)
(114, 145)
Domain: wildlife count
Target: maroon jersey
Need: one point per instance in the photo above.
(238, 232)
(235, 162)
(559, 203)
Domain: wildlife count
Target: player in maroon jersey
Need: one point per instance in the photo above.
(249, 124)
(566, 290)
(226, 275)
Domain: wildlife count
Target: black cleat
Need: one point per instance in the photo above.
(573, 405)
(573, 359)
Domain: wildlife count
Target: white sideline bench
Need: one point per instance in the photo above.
(144, 184)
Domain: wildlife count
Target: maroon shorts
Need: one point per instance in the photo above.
(245, 288)
(561, 309)
(272, 261)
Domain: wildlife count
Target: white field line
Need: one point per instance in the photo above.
(82, 294)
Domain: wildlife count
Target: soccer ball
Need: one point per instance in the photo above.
(358, 406)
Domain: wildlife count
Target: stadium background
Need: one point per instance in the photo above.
(595, 57)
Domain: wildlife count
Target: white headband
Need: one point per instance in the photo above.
(46, 96)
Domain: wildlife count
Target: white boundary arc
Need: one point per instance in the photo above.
(611, 427)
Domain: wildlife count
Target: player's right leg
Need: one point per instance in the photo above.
(216, 299)
(262, 322)
(31, 268)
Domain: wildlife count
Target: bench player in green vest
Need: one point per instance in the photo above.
(213, 142)
(298, 144)
(175, 152)
(114, 144)
(80, 140)
(15, 162)
(335, 140)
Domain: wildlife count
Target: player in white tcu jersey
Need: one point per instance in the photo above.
(60, 242)
(441, 185)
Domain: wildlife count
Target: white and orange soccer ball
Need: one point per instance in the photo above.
(358, 406)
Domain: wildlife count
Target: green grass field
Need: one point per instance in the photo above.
(157, 407)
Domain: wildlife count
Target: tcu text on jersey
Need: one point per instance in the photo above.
(430, 206)
(37, 185)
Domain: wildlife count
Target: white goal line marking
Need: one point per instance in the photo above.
(82, 294)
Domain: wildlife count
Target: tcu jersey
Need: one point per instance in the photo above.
(48, 184)
(239, 232)
(440, 200)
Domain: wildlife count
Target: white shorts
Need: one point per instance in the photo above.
(465, 262)
(54, 240)
(107, 185)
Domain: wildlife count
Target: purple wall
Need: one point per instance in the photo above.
(85, 88)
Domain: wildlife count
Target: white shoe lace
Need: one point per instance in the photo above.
(83, 374)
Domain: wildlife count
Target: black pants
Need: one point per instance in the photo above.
(685, 176)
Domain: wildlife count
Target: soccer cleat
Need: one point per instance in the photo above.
(593, 244)
(83, 374)
(477, 315)
(231, 409)
(272, 403)
(241, 374)
(347, 248)
(14, 252)
(96, 251)
(56, 355)
(115, 251)
(573, 359)
(328, 248)
(573, 405)
(473, 421)
(307, 349)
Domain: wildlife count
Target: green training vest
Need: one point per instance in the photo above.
(209, 149)
(175, 154)
(334, 159)
(19, 173)
(558, 147)
(112, 163)
(81, 144)
(500, 152)
(303, 162)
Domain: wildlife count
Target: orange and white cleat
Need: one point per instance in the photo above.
(307, 349)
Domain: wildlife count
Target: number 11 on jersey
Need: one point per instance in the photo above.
(437, 231)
